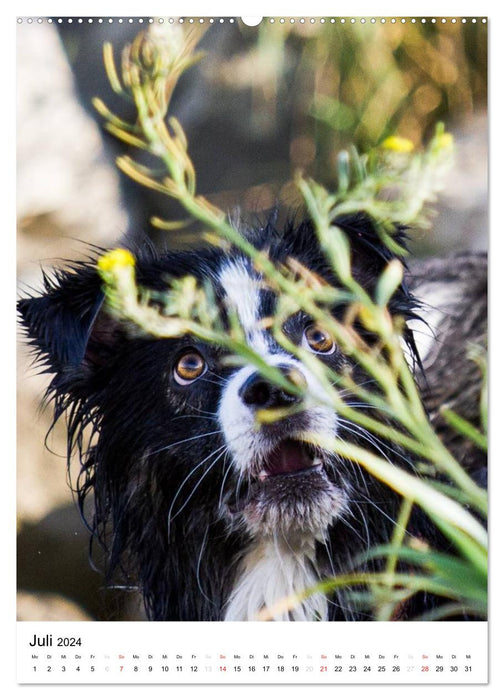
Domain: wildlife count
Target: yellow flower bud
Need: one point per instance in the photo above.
(398, 144)
(445, 140)
(114, 259)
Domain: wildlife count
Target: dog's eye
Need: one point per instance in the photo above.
(189, 368)
(318, 340)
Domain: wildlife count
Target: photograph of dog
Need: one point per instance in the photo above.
(201, 509)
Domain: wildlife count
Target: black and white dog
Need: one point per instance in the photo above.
(210, 515)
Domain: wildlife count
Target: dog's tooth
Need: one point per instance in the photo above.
(263, 475)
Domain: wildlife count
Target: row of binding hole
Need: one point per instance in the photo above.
(270, 20)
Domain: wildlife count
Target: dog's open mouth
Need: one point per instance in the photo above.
(289, 493)
(293, 471)
(290, 457)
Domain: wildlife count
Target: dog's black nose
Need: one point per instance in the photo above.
(258, 392)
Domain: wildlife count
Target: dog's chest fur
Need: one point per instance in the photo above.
(270, 577)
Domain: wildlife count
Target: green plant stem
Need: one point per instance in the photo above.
(386, 609)
(434, 503)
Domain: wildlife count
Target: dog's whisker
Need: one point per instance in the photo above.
(203, 412)
(219, 451)
(224, 478)
(365, 537)
(207, 471)
(198, 567)
(181, 442)
(194, 415)
(356, 472)
(217, 376)
(211, 381)
(382, 447)
(375, 504)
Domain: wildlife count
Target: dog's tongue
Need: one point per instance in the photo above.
(288, 457)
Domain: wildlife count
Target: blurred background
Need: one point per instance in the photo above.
(263, 102)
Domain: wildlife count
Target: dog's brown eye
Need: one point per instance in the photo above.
(189, 368)
(318, 340)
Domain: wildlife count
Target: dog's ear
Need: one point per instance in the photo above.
(368, 251)
(370, 256)
(67, 328)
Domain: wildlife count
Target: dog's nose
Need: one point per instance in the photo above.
(257, 392)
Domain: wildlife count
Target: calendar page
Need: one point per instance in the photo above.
(252, 370)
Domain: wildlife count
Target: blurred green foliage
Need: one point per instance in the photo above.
(364, 82)
(360, 83)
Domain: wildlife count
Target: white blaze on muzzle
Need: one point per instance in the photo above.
(248, 442)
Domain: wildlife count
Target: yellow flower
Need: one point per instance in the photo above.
(445, 140)
(114, 259)
(398, 144)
